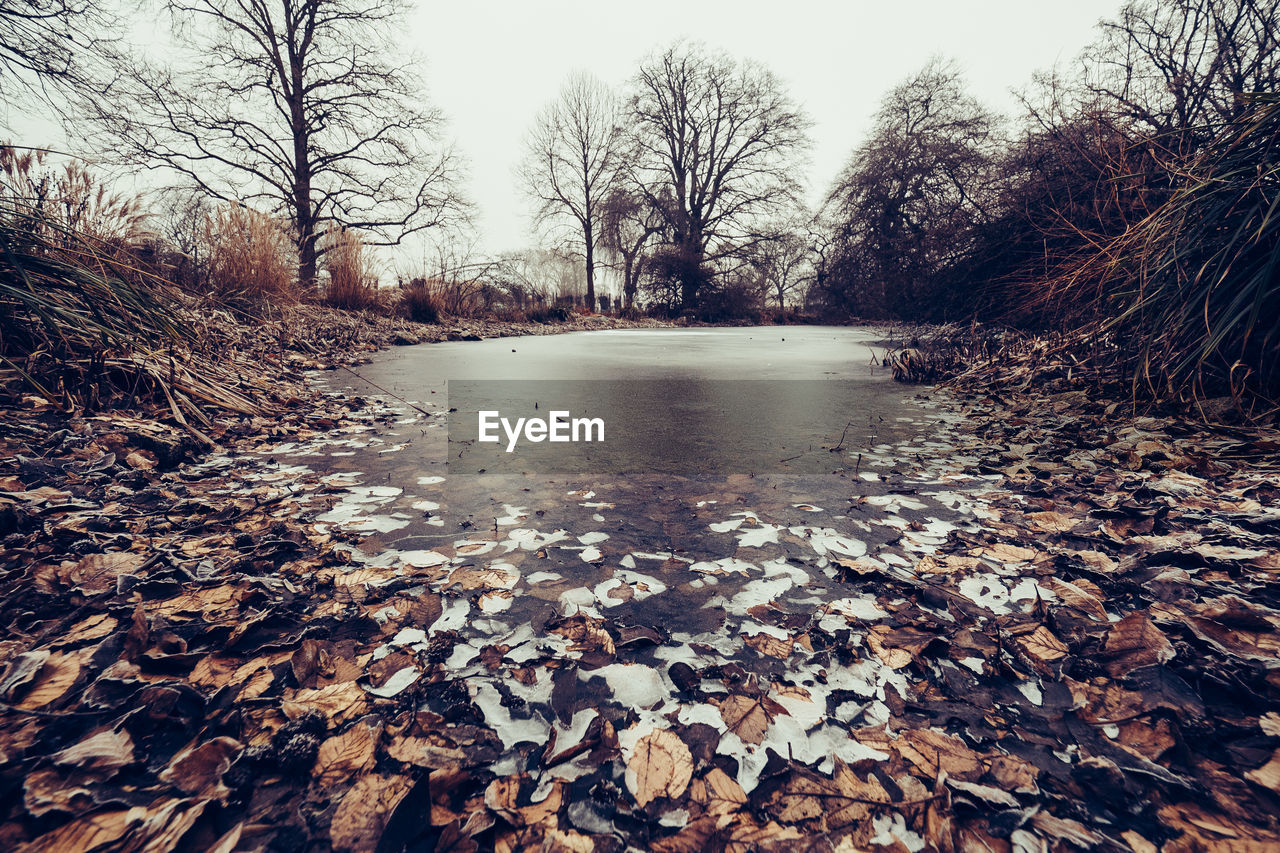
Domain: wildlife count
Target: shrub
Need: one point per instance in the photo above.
(249, 258)
(1203, 272)
(731, 302)
(1193, 290)
(549, 314)
(418, 303)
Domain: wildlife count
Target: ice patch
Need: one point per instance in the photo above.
(633, 685)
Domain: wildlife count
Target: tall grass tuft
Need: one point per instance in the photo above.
(61, 296)
(249, 258)
(71, 288)
(353, 281)
(69, 202)
(1191, 292)
(418, 303)
(1201, 287)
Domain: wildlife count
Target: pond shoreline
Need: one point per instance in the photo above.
(141, 569)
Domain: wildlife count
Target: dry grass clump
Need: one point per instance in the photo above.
(1192, 291)
(86, 321)
(418, 302)
(68, 206)
(70, 285)
(249, 258)
(353, 280)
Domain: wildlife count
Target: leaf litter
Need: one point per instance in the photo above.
(1041, 629)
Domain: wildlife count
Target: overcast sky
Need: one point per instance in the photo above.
(492, 65)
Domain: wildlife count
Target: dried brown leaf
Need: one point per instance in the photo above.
(338, 702)
(96, 573)
(57, 675)
(1042, 647)
(425, 752)
(198, 769)
(105, 750)
(749, 717)
(86, 833)
(46, 791)
(1268, 775)
(345, 755)
(1135, 642)
(767, 644)
(930, 751)
(660, 765)
(718, 793)
(363, 813)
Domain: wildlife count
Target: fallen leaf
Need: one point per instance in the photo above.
(97, 573)
(198, 769)
(718, 793)
(46, 791)
(1268, 775)
(660, 766)
(767, 644)
(931, 751)
(1052, 522)
(362, 815)
(59, 672)
(1042, 648)
(86, 833)
(345, 755)
(338, 702)
(1134, 642)
(749, 717)
(108, 750)
(424, 752)
(1004, 552)
(503, 796)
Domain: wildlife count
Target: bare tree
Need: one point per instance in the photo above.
(718, 144)
(910, 193)
(48, 45)
(570, 162)
(628, 225)
(291, 102)
(1179, 68)
(782, 260)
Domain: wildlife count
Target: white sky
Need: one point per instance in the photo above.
(492, 64)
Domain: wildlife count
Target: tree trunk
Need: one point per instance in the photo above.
(308, 257)
(591, 269)
(690, 273)
(688, 290)
(628, 281)
(303, 212)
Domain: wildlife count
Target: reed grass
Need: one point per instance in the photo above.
(1200, 291)
(84, 322)
(1190, 293)
(250, 259)
(353, 280)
